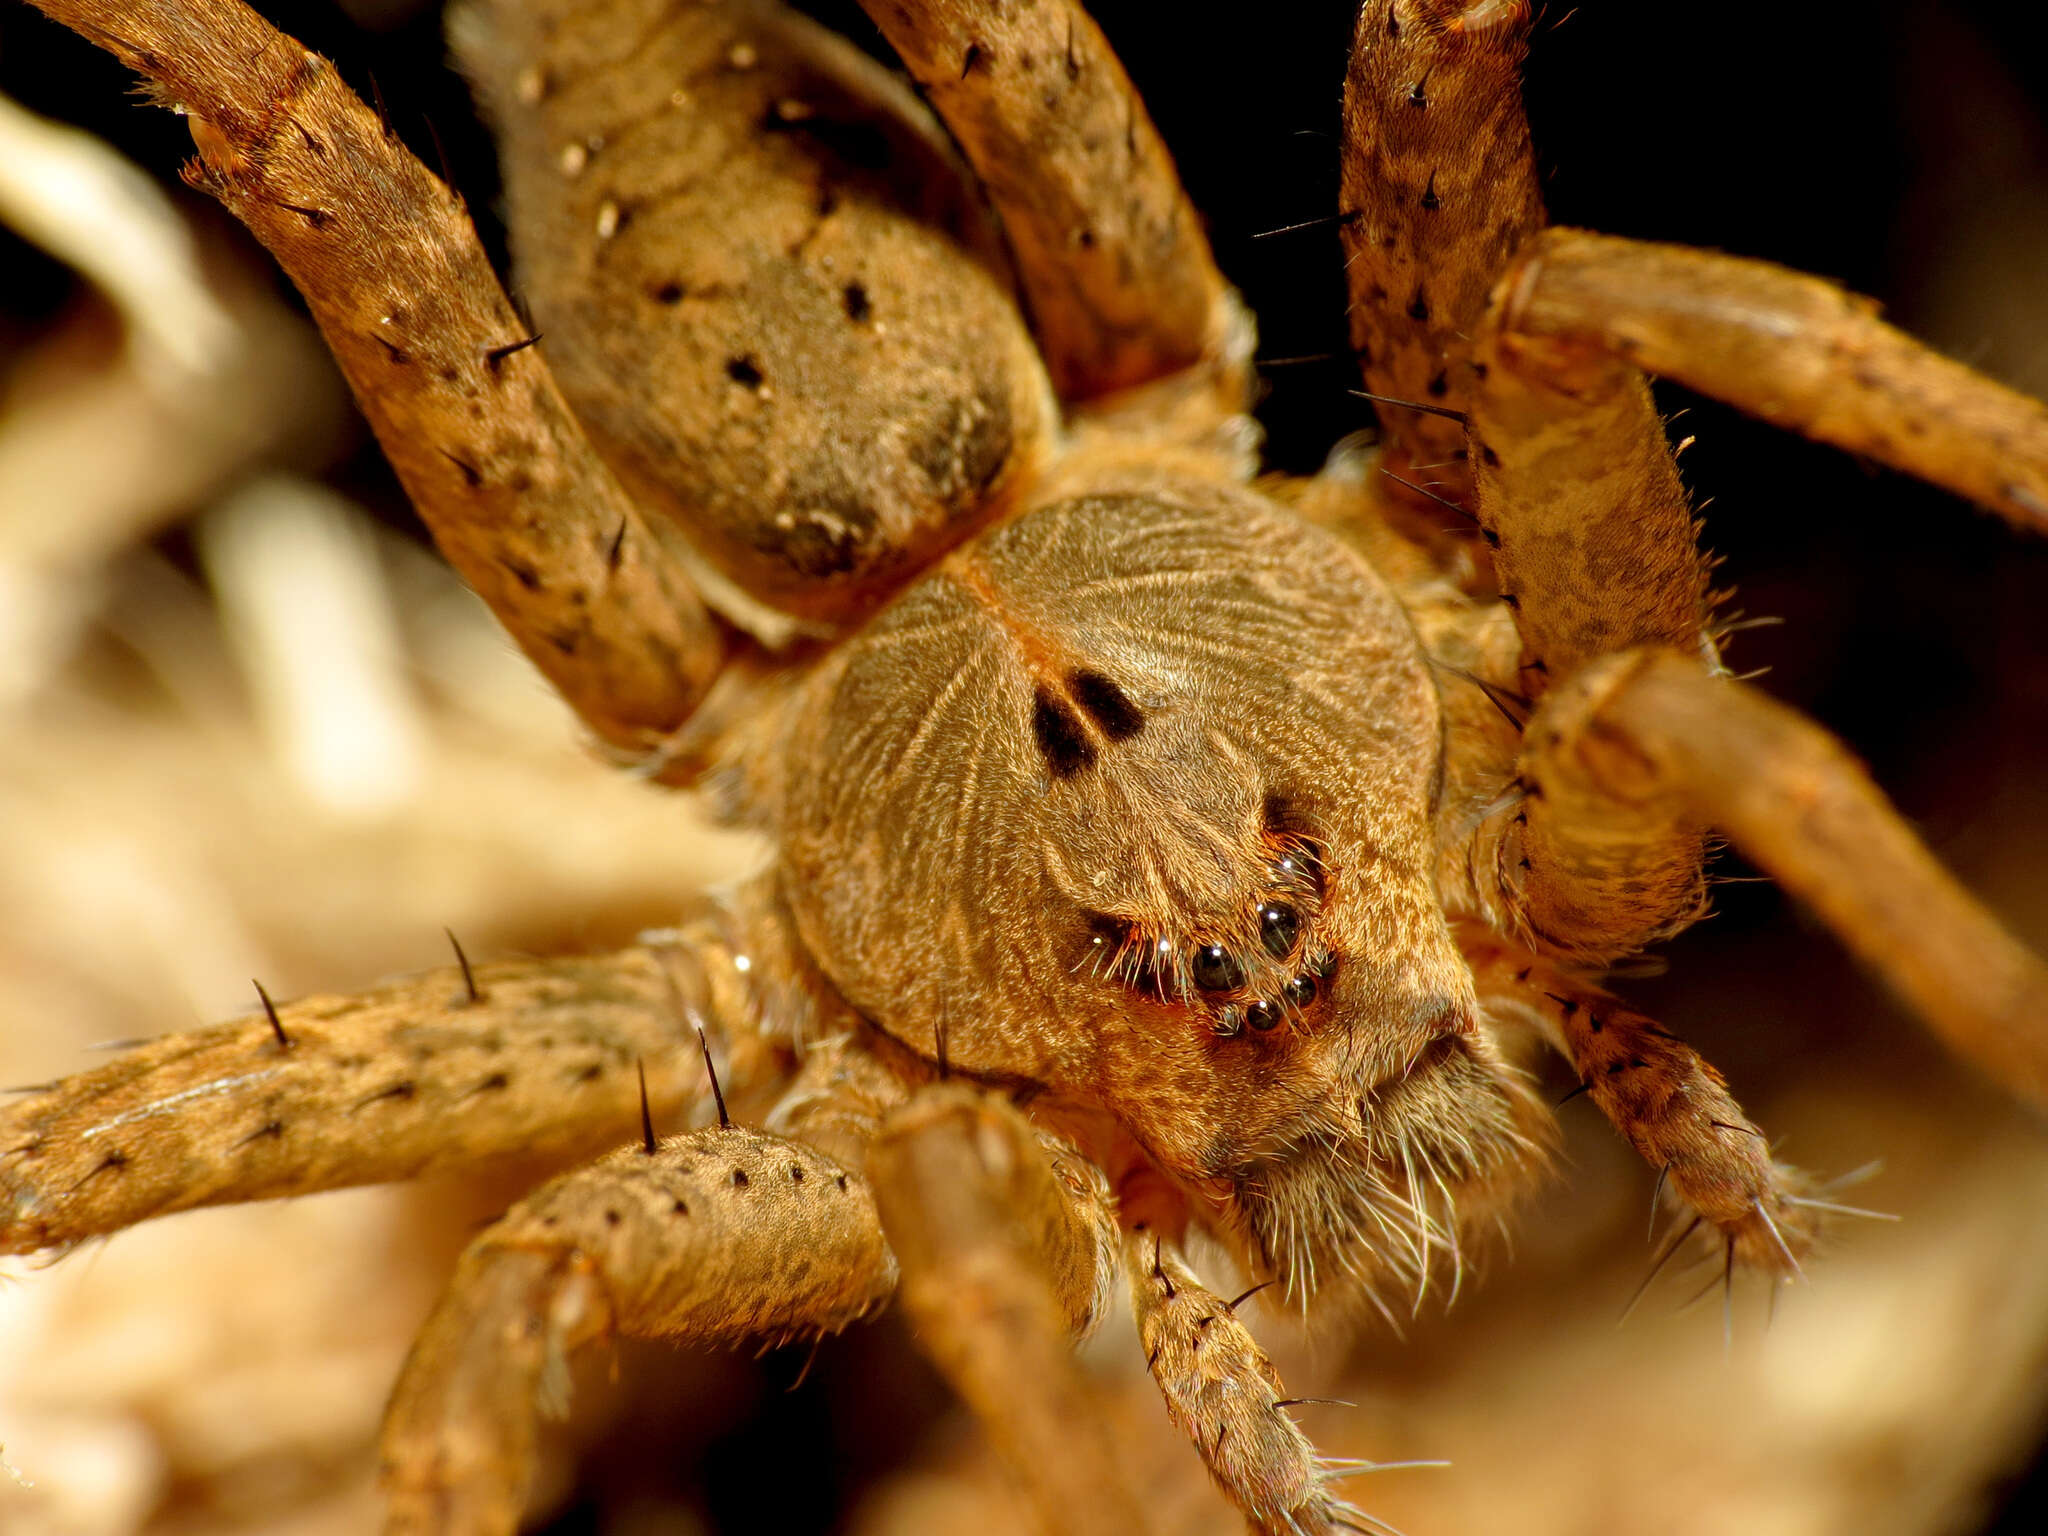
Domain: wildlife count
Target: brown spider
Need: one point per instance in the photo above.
(1156, 856)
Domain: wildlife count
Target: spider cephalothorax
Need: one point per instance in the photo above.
(1133, 802)
(1153, 851)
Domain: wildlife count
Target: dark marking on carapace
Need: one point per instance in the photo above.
(1119, 718)
(1066, 747)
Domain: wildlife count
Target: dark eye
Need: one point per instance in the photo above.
(1216, 969)
(1261, 1015)
(1279, 926)
(1301, 991)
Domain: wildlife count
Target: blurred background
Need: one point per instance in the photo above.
(249, 727)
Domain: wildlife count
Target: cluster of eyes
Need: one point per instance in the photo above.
(1219, 974)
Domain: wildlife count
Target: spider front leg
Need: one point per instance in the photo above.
(1635, 748)
(1666, 1099)
(1573, 488)
(1439, 190)
(440, 362)
(462, 1066)
(715, 1237)
(1224, 1395)
(1634, 754)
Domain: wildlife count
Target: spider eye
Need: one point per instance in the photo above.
(1301, 991)
(1215, 969)
(1279, 926)
(1261, 1015)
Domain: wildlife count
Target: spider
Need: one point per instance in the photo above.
(1157, 856)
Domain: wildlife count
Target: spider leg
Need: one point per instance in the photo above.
(1669, 1102)
(1438, 190)
(714, 1237)
(1796, 350)
(1564, 865)
(1006, 1240)
(1111, 254)
(1595, 551)
(525, 1058)
(440, 362)
(1567, 481)
(1224, 1395)
(1652, 737)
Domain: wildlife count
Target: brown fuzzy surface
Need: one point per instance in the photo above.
(223, 1372)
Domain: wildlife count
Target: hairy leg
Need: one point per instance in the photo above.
(1225, 1396)
(1648, 737)
(1438, 191)
(1595, 549)
(716, 1237)
(1110, 252)
(1561, 463)
(1006, 1238)
(521, 1058)
(1568, 478)
(1578, 496)
(1796, 350)
(439, 361)
(1665, 1098)
(1558, 862)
